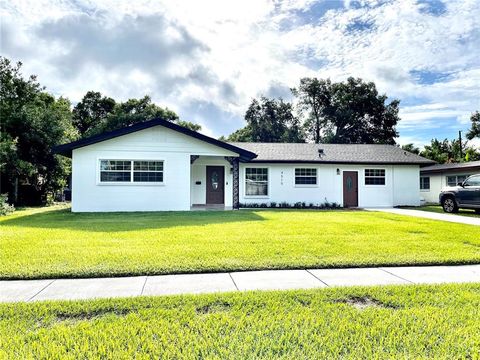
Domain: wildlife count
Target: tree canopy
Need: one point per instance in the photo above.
(96, 114)
(346, 112)
(411, 148)
(449, 151)
(33, 121)
(269, 120)
(92, 112)
(474, 131)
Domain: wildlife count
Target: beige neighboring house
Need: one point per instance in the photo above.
(435, 177)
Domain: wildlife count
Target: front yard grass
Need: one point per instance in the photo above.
(53, 242)
(429, 322)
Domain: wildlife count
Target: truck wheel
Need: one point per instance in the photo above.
(449, 205)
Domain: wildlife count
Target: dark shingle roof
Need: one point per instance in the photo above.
(474, 165)
(332, 153)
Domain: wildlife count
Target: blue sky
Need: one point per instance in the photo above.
(207, 59)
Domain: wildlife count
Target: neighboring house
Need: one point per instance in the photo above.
(158, 165)
(434, 178)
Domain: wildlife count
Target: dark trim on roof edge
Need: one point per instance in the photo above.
(336, 162)
(455, 169)
(66, 149)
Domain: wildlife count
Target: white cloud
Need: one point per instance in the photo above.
(237, 50)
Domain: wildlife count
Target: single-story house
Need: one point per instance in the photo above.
(158, 165)
(435, 177)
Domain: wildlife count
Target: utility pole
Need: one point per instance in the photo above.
(460, 143)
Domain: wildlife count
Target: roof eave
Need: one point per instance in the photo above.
(339, 162)
(66, 149)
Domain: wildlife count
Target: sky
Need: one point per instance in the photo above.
(207, 60)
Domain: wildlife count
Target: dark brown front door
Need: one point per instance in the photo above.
(350, 189)
(215, 184)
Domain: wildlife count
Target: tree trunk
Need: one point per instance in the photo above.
(15, 191)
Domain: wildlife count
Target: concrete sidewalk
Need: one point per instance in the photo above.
(70, 289)
(430, 215)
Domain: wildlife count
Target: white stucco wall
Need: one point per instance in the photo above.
(438, 182)
(179, 189)
(401, 185)
(156, 143)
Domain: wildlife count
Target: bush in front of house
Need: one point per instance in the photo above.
(326, 205)
(5, 207)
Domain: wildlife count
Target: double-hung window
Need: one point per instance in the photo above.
(115, 171)
(256, 181)
(305, 176)
(131, 171)
(148, 171)
(453, 180)
(374, 176)
(425, 183)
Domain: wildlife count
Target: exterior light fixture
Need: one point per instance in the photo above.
(338, 171)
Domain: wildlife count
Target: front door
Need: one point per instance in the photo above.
(215, 184)
(350, 189)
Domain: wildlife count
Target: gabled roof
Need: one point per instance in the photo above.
(332, 153)
(452, 167)
(66, 149)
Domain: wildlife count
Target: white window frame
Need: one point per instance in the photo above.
(429, 183)
(305, 185)
(131, 182)
(245, 183)
(456, 178)
(374, 185)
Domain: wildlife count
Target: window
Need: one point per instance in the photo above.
(128, 171)
(306, 176)
(453, 180)
(374, 176)
(473, 181)
(115, 171)
(425, 183)
(256, 181)
(148, 171)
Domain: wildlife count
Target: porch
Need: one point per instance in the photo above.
(214, 182)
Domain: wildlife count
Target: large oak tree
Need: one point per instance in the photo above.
(346, 112)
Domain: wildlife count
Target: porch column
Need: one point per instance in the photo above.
(236, 183)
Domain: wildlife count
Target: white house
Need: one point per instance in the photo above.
(435, 177)
(158, 165)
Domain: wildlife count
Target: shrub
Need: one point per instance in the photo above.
(5, 207)
(298, 205)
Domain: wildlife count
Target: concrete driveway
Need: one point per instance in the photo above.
(430, 215)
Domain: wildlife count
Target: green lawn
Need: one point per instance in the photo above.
(429, 322)
(438, 209)
(53, 242)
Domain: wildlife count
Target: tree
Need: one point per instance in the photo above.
(33, 121)
(92, 112)
(347, 112)
(411, 148)
(134, 111)
(449, 151)
(269, 120)
(475, 129)
(314, 96)
(189, 125)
